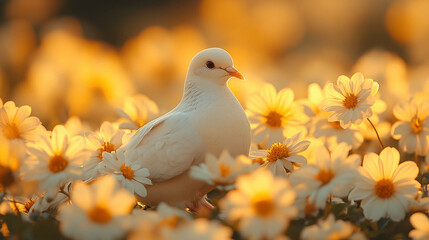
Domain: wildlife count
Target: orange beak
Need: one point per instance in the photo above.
(234, 73)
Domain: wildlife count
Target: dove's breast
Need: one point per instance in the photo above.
(223, 124)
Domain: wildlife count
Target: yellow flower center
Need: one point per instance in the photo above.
(106, 147)
(274, 119)
(336, 125)
(127, 171)
(262, 204)
(11, 131)
(277, 151)
(334, 236)
(224, 170)
(6, 177)
(171, 222)
(351, 101)
(309, 207)
(416, 125)
(384, 188)
(57, 163)
(325, 176)
(100, 214)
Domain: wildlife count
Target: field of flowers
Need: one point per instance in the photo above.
(337, 96)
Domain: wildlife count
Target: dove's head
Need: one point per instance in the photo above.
(214, 65)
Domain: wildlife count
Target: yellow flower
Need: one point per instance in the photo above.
(412, 129)
(17, 125)
(98, 211)
(274, 116)
(420, 223)
(328, 229)
(331, 173)
(137, 111)
(386, 188)
(108, 139)
(261, 203)
(9, 164)
(281, 156)
(56, 160)
(350, 99)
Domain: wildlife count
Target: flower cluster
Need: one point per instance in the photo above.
(308, 175)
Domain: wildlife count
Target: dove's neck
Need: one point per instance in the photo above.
(199, 93)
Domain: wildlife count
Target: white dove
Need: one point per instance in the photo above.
(208, 119)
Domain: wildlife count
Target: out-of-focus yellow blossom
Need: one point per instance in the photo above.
(73, 76)
(390, 71)
(137, 111)
(98, 211)
(35, 11)
(262, 205)
(249, 20)
(54, 161)
(18, 42)
(158, 60)
(198, 229)
(274, 116)
(412, 129)
(408, 23)
(153, 224)
(383, 127)
(322, 22)
(420, 222)
(280, 157)
(350, 99)
(75, 127)
(4, 86)
(386, 188)
(9, 164)
(330, 229)
(330, 175)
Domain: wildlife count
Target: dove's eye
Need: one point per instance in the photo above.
(210, 64)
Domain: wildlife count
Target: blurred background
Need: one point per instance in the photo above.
(84, 58)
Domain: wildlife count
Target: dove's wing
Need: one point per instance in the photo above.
(167, 147)
(141, 132)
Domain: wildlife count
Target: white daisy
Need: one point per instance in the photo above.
(56, 160)
(223, 170)
(199, 229)
(330, 174)
(262, 205)
(281, 156)
(108, 139)
(130, 174)
(153, 224)
(330, 229)
(350, 99)
(17, 125)
(137, 111)
(274, 116)
(412, 129)
(386, 189)
(98, 211)
(420, 223)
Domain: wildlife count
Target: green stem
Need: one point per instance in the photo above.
(376, 132)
